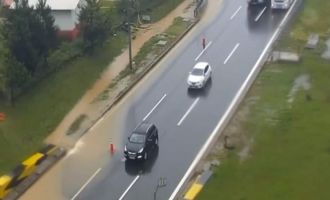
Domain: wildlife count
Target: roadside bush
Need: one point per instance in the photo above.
(66, 53)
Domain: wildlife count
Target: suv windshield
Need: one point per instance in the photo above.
(197, 72)
(137, 138)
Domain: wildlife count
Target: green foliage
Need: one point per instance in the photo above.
(13, 74)
(155, 8)
(30, 35)
(45, 35)
(21, 20)
(66, 53)
(95, 25)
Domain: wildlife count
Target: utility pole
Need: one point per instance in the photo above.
(128, 23)
(130, 46)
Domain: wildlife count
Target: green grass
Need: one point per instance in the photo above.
(177, 28)
(164, 8)
(290, 156)
(39, 111)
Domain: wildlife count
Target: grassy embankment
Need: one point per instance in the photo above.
(40, 110)
(290, 153)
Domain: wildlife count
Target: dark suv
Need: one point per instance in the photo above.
(140, 143)
(256, 2)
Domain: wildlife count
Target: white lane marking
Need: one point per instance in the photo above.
(232, 104)
(97, 123)
(129, 187)
(201, 53)
(188, 111)
(235, 13)
(154, 107)
(231, 53)
(87, 182)
(260, 14)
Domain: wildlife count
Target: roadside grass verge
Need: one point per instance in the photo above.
(148, 52)
(41, 109)
(289, 158)
(164, 8)
(177, 28)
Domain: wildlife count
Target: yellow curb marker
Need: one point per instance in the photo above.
(5, 180)
(193, 191)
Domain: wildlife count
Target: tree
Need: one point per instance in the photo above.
(130, 9)
(95, 25)
(30, 33)
(13, 75)
(18, 33)
(45, 38)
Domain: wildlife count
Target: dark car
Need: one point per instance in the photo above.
(141, 142)
(256, 2)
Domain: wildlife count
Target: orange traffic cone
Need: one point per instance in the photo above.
(112, 148)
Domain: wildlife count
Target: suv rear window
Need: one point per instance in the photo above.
(137, 138)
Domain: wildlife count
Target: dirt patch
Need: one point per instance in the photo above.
(234, 136)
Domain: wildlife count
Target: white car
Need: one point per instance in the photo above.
(281, 4)
(199, 75)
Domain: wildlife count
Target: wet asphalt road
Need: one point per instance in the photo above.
(238, 36)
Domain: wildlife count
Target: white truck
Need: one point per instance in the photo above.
(281, 4)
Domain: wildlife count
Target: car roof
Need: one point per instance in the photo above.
(201, 65)
(142, 128)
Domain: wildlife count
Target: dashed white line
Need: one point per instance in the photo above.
(188, 111)
(231, 53)
(235, 13)
(154, 107)
(87, 182)
(129, 187)
(97, 123)
(201, 53)
(230, 108)
(260, 14)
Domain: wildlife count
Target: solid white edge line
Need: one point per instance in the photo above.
(201, 53)
(129, 187)
(235, 13)
(260, 14)
(155, 107)
(87, 182)
(188, 111)
(235, 100)
(97, 123)
(231, 53)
